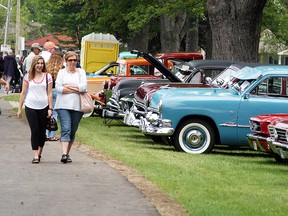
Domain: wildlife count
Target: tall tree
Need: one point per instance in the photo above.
(236, 28)
(124, 19)
(179, 23)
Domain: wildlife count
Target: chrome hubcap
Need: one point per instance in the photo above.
(194, 138)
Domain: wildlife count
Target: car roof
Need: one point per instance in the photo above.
(211, 63)
(275, 69)
(179, 55)
(262, 70)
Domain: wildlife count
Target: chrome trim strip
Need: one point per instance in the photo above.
(233, 124)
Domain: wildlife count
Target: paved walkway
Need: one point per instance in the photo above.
(85, 187)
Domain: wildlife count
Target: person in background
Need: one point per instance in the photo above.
(54, 64)
(35, 50)
(3, 82)
(37, 92)
(48, 48)
(1, 64)
(78, 61)
(11, 72)
(69, 83)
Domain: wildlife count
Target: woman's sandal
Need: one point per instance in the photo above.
(35, 160)
(53, 139)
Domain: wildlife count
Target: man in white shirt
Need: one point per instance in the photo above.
(35, 50)
(49, 48)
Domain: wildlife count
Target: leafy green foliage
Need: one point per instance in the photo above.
(275, 19)
(122, 18)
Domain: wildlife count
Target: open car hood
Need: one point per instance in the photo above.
(157, 64)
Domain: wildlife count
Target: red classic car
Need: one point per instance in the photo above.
(278, 139)
(259, 127)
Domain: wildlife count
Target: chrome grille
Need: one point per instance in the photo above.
(278, 134)
(281, 134)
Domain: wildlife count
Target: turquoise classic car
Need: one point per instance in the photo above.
(195, 119)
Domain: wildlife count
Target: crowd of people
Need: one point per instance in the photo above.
(51, 81)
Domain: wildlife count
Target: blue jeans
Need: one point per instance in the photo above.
(51, 134)
(69, 120)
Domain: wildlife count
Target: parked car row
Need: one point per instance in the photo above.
(217, 103)
(189, 74)
(131, 66)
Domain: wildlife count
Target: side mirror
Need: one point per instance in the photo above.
(247, 96)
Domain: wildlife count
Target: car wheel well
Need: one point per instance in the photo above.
(207, 119)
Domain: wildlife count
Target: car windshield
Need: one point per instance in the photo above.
(237, 78)
(240, 85)
(106, 70)
(225, 77)
(183, 71)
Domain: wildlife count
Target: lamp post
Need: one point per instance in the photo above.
(18, 42)
(7, 20)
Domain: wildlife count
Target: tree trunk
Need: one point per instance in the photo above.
(205, 37)
(172, 32)
(192, 35)
(140, 41)
(236, 28)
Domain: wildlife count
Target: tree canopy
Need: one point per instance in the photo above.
(161, 22)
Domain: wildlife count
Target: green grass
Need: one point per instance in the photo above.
(225, 182)
(12, 97)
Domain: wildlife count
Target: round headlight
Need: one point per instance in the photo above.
(253, 126)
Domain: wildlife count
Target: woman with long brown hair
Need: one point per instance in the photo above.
(37, 93)
(54, 64)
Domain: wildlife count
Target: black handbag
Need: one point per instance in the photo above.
(52, 124)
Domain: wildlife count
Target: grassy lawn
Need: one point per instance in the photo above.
(225, 182)
(12, 97)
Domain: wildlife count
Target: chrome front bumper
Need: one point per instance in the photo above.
(257, 142)
(278, 148)
(132, 116)
(130, 119)
(159, 127)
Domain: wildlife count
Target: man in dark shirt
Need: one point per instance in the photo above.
(1, 64)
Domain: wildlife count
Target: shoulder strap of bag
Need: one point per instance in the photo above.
(46, 83)
(79, 77)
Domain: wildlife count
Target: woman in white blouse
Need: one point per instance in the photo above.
(69, 83)
(37, 93)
